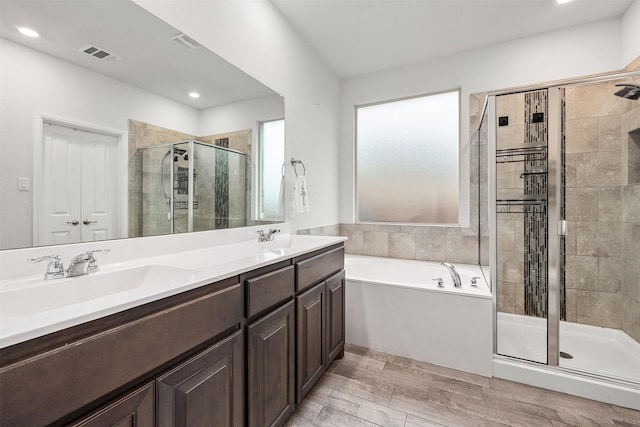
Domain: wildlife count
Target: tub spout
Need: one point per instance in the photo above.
(454, 274)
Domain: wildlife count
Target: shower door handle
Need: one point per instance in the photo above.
(87, 222)
(562, 227)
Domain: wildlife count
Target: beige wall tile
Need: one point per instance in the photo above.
(582, 272)
(596, 100)
(462, 249)
(610, 133)
(599, 239)
(631, 279)
(582, 135)
(581, 204)
(631, 203)
(610, 274)
(631, 318)
(599, 309)
(602, 169)
(402, 245)
(431, 246)
(505, 299)
(375, 243)
(571, 298)
(510, 266)
(610, 204)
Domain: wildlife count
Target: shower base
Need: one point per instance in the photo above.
(602, 357)
(604, 351)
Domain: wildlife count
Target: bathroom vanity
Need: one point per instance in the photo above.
(242, 348)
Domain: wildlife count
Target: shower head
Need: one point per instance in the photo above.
(629, 91)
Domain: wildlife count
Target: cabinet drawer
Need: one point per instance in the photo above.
(103, 362)
(314, 269)
(268, 290)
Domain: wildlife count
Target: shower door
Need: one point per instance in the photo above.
(564, 174)
(523, 159)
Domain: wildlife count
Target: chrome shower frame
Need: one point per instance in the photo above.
(556, 224)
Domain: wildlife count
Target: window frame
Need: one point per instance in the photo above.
(356, 211)
(259, 211)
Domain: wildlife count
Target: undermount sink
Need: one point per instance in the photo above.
(45, 295)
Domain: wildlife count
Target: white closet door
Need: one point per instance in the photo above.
(99, 186)
(79, 186)
(60, 213)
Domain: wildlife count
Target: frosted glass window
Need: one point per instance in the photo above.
(270, 199)
(407, 160)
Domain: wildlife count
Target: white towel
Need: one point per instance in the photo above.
(302, 199)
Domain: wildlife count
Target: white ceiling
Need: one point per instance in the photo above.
(150, 59)
(361, 36)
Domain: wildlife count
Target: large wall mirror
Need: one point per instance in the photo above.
(114, 125)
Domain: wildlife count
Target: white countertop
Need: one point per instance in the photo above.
(31, 307)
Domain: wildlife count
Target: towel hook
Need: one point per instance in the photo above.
(294, 163)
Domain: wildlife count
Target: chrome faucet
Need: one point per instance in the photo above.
(85, 263)
(268, 236)
(55, 268)
(454, 274)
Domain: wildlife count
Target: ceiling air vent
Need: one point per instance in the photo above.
(186, 41)
(99, 53)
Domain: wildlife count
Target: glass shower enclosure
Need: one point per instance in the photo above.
(191, 186)
(564, 196)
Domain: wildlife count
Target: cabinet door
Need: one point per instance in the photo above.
(136, 409)
(310, 338)
(206, 390)
(335, 316)
(270, 368)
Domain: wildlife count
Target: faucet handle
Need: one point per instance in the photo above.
(55, 268)
(474, 281)
(93, 266)
(439, 280)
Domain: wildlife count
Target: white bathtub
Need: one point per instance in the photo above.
(393, 305)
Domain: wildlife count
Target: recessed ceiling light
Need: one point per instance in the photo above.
(194, 94)
(28, 32)
(562, 1)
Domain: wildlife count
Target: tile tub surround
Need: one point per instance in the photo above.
(371, 388)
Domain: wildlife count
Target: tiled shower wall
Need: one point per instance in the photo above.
(142, 135)
(602, 203)
(145, 135)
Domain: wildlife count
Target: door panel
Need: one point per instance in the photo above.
(79, 187)
(61, 186)
(99, 186)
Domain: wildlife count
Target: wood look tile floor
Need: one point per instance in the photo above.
(370, 388)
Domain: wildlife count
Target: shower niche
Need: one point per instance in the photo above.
(191, 186)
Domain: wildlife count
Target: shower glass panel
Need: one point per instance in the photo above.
(564, 174)
(191, 186)
(521, 235)
(602, 253)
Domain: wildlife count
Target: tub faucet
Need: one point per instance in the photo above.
(454, 274)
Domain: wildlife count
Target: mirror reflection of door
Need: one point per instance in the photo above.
(78, 188)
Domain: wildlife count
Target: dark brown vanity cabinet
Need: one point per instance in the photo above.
(320, 331)
(335, 334)
(136, 409)
(270, 368)
(238, 352)
(206, 390)
(311, 307)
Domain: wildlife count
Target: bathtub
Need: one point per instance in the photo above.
(393, 305)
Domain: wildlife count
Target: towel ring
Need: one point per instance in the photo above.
(295, 164)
